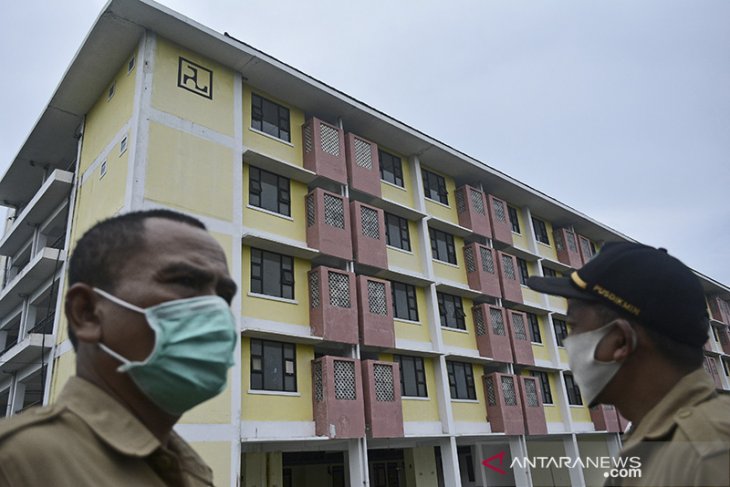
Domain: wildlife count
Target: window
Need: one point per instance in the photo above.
(714, 333)
(548, 272)
(726, 366)
(434, 186)
(514, 220)
(111, 91)
(130, 65)
(396, 232)
(524, 271)
(123, 146)
(390, 168)
(541, 233)
(574, 397)
(270, 118)
(412, 376)
(535, 335)
(451, 311)
(102, 169)
(547, 394)
(269, 191)
(405, 306)
(561, 331)
(272, 274)
(461, 380)
(273, 366)
(442, 246)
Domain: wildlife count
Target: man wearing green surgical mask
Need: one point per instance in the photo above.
(639, 323)
(148, 314)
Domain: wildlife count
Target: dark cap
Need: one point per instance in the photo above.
(642, 282)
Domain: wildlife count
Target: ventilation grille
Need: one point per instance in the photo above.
(508, 390)
(479, 322)
(531, 393)
(585, 246)
(491, 393)
(487, 260)
(334, 211)
(497, 321)
(369, 222)
(460, 202)
(314, 289)
(317, 378)
(477, 201)
(311, 219)
(499, 210)
(308, 142)
(330, 139)
(376, 298)
(570, 237)
(518, 323)
(509, 267)
(384, 383)
(339, 289)
(363, 154)
(469, 258)
(345, 380)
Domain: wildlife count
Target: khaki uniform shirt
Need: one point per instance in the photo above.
(684, 440)
(88, 439)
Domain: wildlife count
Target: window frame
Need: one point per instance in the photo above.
(561, 331)
(401, 242)
(283, 190)
(574, 399)
(459, 316)
(523, 269)
(534, 322)
(288, 354)
(448, 242)
(515, 222)
(540, 228)
(257, 117)
(411, 301)
(434, 182)
(544, 380)
(549, 272)
(390, 171)
(286, 275)
(421, 389)
(468, 371)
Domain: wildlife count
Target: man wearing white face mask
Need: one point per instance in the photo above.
(148, 309)
(639, 323)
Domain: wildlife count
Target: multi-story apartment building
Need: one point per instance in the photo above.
(386, 334)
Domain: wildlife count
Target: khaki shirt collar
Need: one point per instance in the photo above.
(694, 388)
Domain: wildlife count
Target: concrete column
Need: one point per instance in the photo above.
(450, 462)
(18, 396)
(357, 458)
(518, 449)
(571, 450)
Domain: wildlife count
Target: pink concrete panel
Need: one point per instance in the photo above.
(504, 410)
(724, 334)
(719, 309)
(520, 338)
(324, 150)
(473, 211)
(375, 312)
(584, 246)
(328, 227)
(566, 245)
(535, 423)
(499, 217)
(363, 165)
(711, 368)
(337, 397)
(605, 418)
(383, 406)
(368, 235)
(333, 310)
(481, 269)
(508, 277)
(492, 332)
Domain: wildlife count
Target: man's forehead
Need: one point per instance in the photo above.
(167, 238)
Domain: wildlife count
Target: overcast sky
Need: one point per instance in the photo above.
(620, 109)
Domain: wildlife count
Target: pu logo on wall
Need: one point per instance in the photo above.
(195, 78)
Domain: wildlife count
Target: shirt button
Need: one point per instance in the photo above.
(684, 413)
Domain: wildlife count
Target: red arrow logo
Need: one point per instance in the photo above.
(488, 462)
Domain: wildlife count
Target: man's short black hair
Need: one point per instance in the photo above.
(98, 256)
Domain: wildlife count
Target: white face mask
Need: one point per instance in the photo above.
(590, 374)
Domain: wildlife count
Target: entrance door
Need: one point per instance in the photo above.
(386, 474)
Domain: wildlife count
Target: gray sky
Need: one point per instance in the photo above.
(619, 109)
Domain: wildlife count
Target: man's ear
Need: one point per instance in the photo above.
(82, 312)
(628, 340)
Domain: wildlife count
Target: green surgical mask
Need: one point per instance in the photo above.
(194, 343)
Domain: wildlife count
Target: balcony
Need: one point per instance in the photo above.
(471, 206)
(375, 316)
(567, 247)
(481, 271)
(368, 235)
(40, 268)
(492, 334)
(724, 334)
(333, 305)
(605, 418)
(50, 196)
(328, 224)
(324, 150)
(520, 341)
(383, 407)
(501, 226)
(504, 406)
(586, 249)
(719, 309)
(507, 266)
(363, 166)
(338, 397)
(534, 414)
(29, 350)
